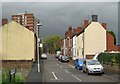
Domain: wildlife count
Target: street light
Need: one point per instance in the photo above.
(38, 25)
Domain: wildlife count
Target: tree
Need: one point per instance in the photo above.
(52, 43)
(113, 34)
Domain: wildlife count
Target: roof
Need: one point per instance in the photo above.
(15, 25)
(87, 27)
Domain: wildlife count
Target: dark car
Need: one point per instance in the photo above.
(79, 63)
(65, 59)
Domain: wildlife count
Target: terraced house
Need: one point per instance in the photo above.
(91, 38)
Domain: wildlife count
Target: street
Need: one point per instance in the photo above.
(56, 71)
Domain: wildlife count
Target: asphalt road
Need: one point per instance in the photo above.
(56, 71)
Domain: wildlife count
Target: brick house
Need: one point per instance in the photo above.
(67, 42)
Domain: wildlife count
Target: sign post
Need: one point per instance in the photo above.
(12, 74)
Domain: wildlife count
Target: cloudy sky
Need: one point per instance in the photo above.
(56, 17)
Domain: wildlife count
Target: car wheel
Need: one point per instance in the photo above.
(100, 74)
(83, 71)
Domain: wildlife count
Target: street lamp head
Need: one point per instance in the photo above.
(39, 24)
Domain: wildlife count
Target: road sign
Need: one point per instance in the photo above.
(13, 71)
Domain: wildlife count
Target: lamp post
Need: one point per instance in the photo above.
(38, 25)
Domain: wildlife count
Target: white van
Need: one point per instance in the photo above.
(57, 54)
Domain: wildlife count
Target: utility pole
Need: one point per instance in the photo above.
(38, 51)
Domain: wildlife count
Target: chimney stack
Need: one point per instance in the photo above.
(94, 18)
(78, 29)
(4, 21)
(104, 25)
(86, 22)
(69, 28)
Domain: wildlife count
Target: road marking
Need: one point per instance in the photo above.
(60, 66)
(76, 78)
(54, 76)
(67, 71)
(71, 66)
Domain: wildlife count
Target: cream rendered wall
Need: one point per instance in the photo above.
(17, 42)
(0, 57)
(74, 46)
(79, 45)
(94, 39)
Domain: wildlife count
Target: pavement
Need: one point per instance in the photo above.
(34, 75)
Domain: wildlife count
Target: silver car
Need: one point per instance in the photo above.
(92, 67)
(44, 56)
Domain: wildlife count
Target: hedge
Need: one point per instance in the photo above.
(110, 58)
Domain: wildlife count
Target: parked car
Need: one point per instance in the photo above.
(44, 56)
(92, 67)
(57, 54)
(59, 58)
(79, 63)
(65, 59)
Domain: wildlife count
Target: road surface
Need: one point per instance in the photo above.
(56, 71)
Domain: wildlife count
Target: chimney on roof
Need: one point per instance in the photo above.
(86, 22)
(74, 30)
(70, 28)
(94, 18)
(78, 29)
(4, 21)
(104, 25)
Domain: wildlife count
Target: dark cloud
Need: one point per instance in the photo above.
(57, 16)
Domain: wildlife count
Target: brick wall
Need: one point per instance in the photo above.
(110, 43)
(4, 21)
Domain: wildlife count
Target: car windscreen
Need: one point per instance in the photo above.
(93, 62)
(81, 60)
(65, 56)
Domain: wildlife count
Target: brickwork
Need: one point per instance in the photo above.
(4, 21)
(110, 43)
(27, 20)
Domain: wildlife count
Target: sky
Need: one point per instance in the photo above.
(56, 17)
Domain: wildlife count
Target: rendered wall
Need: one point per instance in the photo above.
(94, 39)
(17, 42)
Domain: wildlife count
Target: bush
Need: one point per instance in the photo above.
(110, 58)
